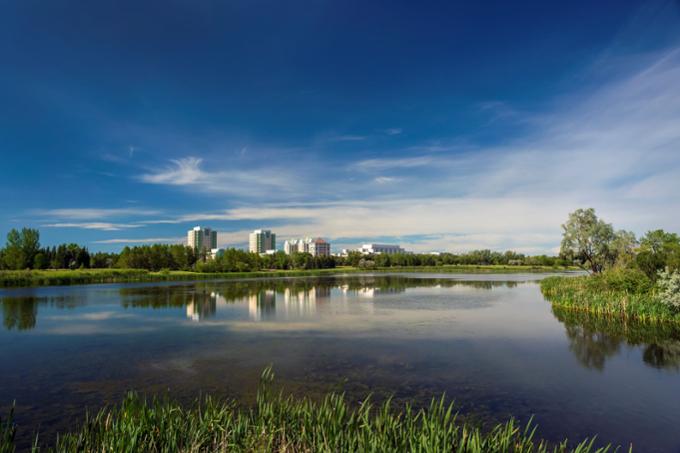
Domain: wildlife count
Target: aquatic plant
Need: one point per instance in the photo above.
(284, 424)
(625, 294)
(7, 433)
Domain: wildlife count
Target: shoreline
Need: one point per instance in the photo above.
(588, 294)
(36, 278)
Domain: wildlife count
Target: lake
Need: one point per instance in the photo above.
(490, 342)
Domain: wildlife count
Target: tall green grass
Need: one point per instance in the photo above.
(616, 294)
(83, 276)
(283, 424)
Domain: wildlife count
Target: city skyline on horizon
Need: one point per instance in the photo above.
(443, 126)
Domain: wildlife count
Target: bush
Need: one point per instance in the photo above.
(631, 281)
(669, 288)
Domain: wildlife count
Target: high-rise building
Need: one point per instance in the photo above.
(202, 239)
(319, 247)
(261, 241)
(313, 246)
(290, 246)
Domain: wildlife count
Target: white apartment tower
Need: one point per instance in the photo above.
(313, 246)
(202, 239)
(261, 241)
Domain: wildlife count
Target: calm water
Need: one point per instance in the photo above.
(491, 342)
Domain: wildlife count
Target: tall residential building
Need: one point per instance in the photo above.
(313, 246)
(202, 239)
(290, 246)
(319, 247)
(376, 249)
(262, 241)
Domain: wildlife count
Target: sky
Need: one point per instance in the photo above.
(446, 126)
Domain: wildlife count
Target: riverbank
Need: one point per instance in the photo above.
(278, 423)
(85, 276)
(609, 295)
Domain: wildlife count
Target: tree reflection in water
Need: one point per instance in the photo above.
(202, 298)
(21, 312)
(595, 339)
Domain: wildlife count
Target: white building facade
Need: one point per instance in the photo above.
(261, 241)
(313, 246)
(202, 240)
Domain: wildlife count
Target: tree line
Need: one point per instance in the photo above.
(23, 251)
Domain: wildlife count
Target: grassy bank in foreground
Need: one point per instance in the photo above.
(609, 295)
(284, 424)
(83, 276)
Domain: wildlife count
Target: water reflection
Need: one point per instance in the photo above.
(21, 312)
(594, 340)
(265, 299)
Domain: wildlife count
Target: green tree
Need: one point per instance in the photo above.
(624, 247)
(658, 250)
(21, 248)
(588, 240)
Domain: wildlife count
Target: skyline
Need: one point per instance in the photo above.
(437, 127)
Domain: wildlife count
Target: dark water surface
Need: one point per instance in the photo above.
(490, 342)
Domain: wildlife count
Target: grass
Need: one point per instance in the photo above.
(283, 424)
(609, 296)
(83, 276)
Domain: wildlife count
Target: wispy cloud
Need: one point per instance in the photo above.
(250, 183)
(167, 240)
(93, 213)
(103, 226)
(385, 179)
(347, 138)
(387, 163)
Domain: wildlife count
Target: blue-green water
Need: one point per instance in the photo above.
(490, 342)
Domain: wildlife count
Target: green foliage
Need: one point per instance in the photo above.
(156, 257)
(627, 280)
(589, 240)
(669, 289)
(21, 248)
(658, 250)
(284, 424)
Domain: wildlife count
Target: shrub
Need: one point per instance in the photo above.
(631, 281)
(669, 288)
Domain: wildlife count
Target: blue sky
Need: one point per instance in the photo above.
(437, 125)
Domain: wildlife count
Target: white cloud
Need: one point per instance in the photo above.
(385, 179)
(104, 226)
(251, 183)
(93, 213)
(182, 172)
(170, 240)
(379, 164)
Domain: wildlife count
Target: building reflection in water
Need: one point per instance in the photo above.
(294, 303)
(262, 306)
(201, 306)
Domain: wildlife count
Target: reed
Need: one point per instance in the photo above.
(608, 297)
(284, 424)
